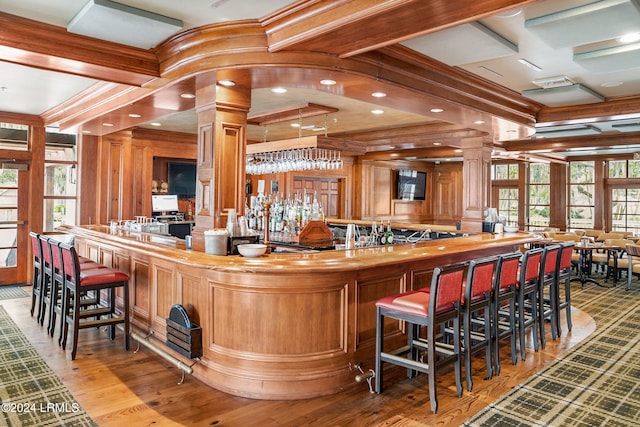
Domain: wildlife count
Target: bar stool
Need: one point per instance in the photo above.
(564, 276)
(505, 292)
(47, 278)
(36, 284)
(476, 313)
(57, 283)
(430, 309)
(75, 283)
(527, 298)
(548, 292)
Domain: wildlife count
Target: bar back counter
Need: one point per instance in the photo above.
(281, 326)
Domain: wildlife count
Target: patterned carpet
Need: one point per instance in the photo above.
(596, 384)
(13, 291)
(30, 392)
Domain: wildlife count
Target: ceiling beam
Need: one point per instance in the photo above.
(366, 25)
(36, 44)
(563, 144)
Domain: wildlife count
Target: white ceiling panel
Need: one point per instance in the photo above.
(618, 58)
(486, 44)
(593, 22)
(575, 94)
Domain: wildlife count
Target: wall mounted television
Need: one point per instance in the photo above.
(182, 179)
(411, 184)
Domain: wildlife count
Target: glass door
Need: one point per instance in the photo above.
(13, 231)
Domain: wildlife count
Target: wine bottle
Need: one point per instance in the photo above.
(388, 235)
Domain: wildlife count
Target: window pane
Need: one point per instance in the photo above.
(634, 168)
(617, 169)
(582, 172)
(539, 173)
(581, 217)
(501, 172)
(58, 212)
(582, 194)
(514, 171)
(8, 246)
(538, 194)
(59, 180)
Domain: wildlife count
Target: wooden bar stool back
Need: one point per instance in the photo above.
(47, 278)
(564, 277)
(548, 292)
(432, 309)
(527, 300)
(476, 313)
(36, 283)
(76, 282)
(504, 320)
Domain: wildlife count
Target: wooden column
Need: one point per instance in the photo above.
(476, 179)
(222, 122)
(558, 200)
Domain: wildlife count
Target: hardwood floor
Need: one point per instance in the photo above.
(119, 388)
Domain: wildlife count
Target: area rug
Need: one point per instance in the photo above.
(12, 291)
(30, 392)
(597, 383)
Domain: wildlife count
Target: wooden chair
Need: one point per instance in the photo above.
(633, 262)
(565, 264)
(440, 305)
(548, 292)
(527, 298)
(76, 282)
(476, 313)
(36, 284)
(616, 260)
(504, 321)
(600, 258)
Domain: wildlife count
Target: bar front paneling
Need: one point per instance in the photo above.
(282, 326)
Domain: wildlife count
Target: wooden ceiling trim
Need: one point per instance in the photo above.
(366, 25)
(611, 109)
(36, 44)
(565, 143)
(293, 113)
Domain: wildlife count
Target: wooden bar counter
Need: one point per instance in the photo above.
(282, 326)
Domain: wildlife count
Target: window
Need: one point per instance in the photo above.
(625, 209)
(14, 136)
(505, 190)
(581, 195)
(624, 169)
(59, 181)
(539, 194)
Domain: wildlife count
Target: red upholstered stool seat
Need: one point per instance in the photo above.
(416, 303)
(79, 280)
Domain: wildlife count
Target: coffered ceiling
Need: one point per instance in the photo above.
(564, 54)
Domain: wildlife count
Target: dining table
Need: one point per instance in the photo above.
(585, 249)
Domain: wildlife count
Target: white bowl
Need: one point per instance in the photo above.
(510, 228)
(252, 250)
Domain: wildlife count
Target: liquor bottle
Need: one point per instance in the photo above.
(388, 235)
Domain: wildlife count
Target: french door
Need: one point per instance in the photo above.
(14, 234)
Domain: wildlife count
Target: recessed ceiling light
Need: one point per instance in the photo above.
(295, 125)
(436, 110)
(529, 64)
(611, 84)
(629, 38)
(327, 82)
(134, 116)
(86, 131)
(226, 83)
(279, 90)
(479, 122)
(155, 124)
(107, 124)
(187, 95)
(377, 111)
(509, 13)
(378, 94)
(437, 143)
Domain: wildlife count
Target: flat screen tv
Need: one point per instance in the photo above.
(164, 203)
(182, 179)
(411, 184)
